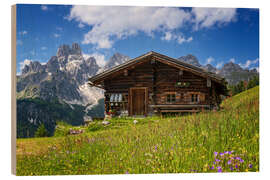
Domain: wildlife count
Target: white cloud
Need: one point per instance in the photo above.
(168, 36)
(100, 58)
(44, 48)
(110, 24)
(22, 64)
(219, 65)
(107, 25)
(210, 60)
(81, 25)
(182, 39)
(232, 60)
(23, 32)
(249, 63)
(44, 8)
(207, 17)
(56, 35)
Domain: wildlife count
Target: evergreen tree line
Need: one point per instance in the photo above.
(244, 85)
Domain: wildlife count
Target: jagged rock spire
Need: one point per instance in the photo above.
(65, 50)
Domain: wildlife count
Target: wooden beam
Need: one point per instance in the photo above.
(173, 110)
(94, 85)
(180, 106)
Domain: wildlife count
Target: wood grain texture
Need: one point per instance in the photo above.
(159, 79)
(13, 90)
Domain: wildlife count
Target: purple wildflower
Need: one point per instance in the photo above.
(231, 168)
(222, 154)
(219, 169)
(212, 167)
(250, 165)
(229, 162)
(216, 153)
(217, 160)
(236, 166)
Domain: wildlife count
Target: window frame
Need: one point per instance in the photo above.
(195, 98)
(170, 98)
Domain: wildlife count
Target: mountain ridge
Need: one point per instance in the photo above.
(61, 82)
(232, 72)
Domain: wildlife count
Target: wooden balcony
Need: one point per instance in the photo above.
(179, 108)
(184, 106)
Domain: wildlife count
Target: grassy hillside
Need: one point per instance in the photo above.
(222, 141)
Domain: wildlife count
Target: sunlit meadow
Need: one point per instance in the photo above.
(217, 141)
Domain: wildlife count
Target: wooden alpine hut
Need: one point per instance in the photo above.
(154, 83)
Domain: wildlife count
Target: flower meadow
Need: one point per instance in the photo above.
(216, 142)
(229, 162)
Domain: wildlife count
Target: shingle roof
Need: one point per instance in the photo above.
(173, 61)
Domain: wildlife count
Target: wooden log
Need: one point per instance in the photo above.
(174, 110)
(180, 106)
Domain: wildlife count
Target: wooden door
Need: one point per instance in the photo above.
(138, 101)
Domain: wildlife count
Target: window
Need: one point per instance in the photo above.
(170, 98)
(116, 98)
(194, 98)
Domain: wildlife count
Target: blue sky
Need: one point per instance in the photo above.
(213, 35)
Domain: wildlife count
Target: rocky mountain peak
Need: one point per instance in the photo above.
(65, 50)
(76, 49)
(53, 64)
(190, 59)
(115, 60)
(210, 68)
(32, 67)
(230, 67)
(91, 61)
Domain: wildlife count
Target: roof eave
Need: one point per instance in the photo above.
(176, 62)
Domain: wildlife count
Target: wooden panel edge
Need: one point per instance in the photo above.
(13, 89)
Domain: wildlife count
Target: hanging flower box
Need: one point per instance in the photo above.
(182, 84)
(111, 112)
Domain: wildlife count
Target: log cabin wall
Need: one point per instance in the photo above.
(160, 80)
(139, 76)
(166, 80)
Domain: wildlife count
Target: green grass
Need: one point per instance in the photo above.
(183, 144)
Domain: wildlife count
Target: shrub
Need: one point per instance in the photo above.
(61, 129)
(41, 131)
(95, 127)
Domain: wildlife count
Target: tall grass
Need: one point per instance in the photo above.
(182, 144)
